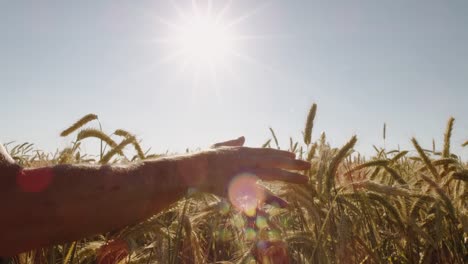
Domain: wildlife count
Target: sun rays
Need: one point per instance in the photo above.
(203, 42)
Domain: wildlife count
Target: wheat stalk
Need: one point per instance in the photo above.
(384, 201)
(310, 124)
(395, 175)
(398, 156)
(382, 188)
(136, 145)
(465, 144)
(335, 162)
(443, 195)
(461, 175)
(311, 153)
(266, 144)
(425, 159)
(274, 138)
(447, 136)
(81, 122)
(384, 131)
(372, 163)
(91, 132)
(118, 149)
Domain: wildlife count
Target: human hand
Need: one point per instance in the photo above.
(214, 170)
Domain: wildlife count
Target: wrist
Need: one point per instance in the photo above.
(191, 170)
(164, 176)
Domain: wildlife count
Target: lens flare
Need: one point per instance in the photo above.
(224, 207)
(244, 193)
(238, 221)
(36, 180)
(250, 234)
(261, 222)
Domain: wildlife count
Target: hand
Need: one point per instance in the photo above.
(213, 170)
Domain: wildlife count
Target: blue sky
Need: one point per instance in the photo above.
(363, 62)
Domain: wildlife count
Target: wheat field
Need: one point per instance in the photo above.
(398, 206)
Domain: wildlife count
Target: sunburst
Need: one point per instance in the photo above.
(202, 41)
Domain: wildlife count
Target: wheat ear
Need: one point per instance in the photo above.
(83, 121)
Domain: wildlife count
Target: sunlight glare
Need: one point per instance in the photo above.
(206, 41)
(202, 39)
(245, 194)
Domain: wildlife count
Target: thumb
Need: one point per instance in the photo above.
(239, 142)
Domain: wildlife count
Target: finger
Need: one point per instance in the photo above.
(280, 163)
(271, 152)
(272, 199)
(239, 142)
(269, 174)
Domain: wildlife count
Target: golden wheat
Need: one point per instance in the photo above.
(81, 122)
(310, 124)
(274, 138)
(354, 209)
(95, 133)
(447, 136)
(465, 144)
(425, 159)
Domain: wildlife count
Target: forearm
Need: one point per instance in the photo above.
(67, 202)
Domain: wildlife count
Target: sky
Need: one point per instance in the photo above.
(364, 62)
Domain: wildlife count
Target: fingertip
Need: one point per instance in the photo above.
(280, 175)
(241, 140)
(298, 179)
(303, 165)
(275, 201)
(303, 179)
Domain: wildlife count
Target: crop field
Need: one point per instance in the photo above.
(396, 206)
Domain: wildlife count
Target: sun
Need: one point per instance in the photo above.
(204, 40)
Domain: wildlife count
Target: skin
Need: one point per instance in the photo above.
(50, 205)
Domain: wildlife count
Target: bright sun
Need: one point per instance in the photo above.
(202, 40)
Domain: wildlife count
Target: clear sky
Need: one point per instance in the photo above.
(363, 62)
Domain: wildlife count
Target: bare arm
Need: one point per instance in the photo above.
(51, 205)
(46, 206)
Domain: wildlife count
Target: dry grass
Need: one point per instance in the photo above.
(389, 209)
